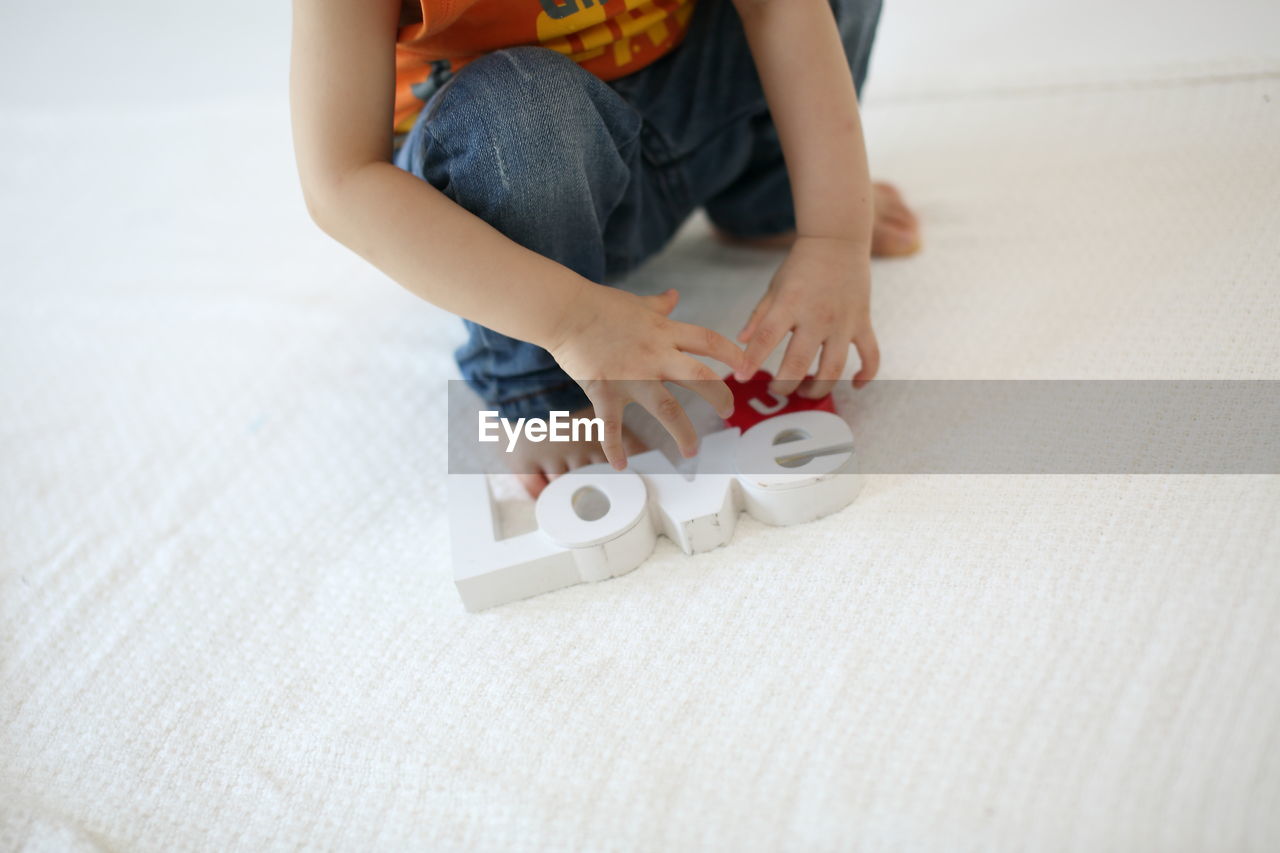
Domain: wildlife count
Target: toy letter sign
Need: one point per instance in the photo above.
(595, 523)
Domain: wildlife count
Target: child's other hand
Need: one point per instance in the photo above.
(821, 295)
(621, 347)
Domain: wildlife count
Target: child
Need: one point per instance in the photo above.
(550, 146)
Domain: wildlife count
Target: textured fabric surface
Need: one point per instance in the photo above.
(226, 613)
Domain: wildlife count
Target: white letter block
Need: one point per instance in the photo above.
(697, 514)
(801, 467)
(613, 544)
(787, 469)
(489, 571)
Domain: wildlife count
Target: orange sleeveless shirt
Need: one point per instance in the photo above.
(609, 38)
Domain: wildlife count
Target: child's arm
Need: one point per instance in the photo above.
(341, 89)
(822, 292)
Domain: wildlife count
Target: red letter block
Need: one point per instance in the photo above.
(752, 402)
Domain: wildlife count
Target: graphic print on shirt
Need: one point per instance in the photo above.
(587, 29)
(608, 38)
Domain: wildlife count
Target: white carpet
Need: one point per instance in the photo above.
(226, 613)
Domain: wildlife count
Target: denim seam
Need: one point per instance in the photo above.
(755, 108)
(674, 186)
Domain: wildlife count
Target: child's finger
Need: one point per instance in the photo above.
(704, 382)
(609, 411)
(664, 303)
(768, 333)
(709, 342)
(869, 351)
(667, 409)
(749, 329)
(795, 363)
(835, 352)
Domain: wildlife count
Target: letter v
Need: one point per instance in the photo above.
(697, 514)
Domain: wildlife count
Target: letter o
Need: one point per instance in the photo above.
(615, 542)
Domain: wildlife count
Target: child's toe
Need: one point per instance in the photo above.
(533, 483)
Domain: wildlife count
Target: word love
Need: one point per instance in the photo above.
(558, 426)
(595, 523)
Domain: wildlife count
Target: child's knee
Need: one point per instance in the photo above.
(524, 122)
(502, 80)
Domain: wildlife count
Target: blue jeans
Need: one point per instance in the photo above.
(599, 176)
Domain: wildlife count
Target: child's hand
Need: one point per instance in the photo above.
(822, 295)
(621, 347)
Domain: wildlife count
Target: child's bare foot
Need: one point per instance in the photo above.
(895, 233)
(538, 463)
